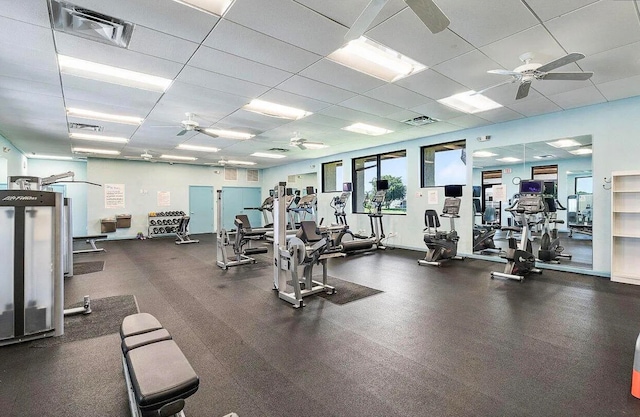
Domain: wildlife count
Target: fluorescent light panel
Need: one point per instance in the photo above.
(508, 159)
(582, 151)
(267, 108)
(233, 162)
(98, 138)
(106, 117)
(469, 102)
(268, 155)
(197, 148)
(314, 145)
(366, 129)
(229, 134)
(484, 154)
(564, 143)
(216, 7)
(376, 60)
(60, 158)
(113, 75)
(178, 158)
(96, 151)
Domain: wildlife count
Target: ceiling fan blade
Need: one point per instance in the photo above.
(509, 81)
(365, 19)
(430, 14)
(504, 72)
(523, 90)
(560, 62)
(301, 146)
(204, 132)
(577, 76)
(182, 132)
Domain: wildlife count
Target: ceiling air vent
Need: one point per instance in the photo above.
(278, 150)
(82, 126)
(420, 121)
(75, 20)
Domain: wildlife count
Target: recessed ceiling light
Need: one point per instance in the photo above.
(229, 134)
(564, 143)
(98, 138)
(109, 74)
(233, 162)
(483, 154)
(268, 155)
(275, 110)
(582, 151)
(508, 159)
(60, 158)
(106, 117)
(366, 129)
(197, 148)
(97, 151)
(376, 60)
(216, 7)
(178, 158)
(470, 102)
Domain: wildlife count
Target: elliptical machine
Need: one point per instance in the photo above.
(520, 258)
(550, 247)
(442, 246)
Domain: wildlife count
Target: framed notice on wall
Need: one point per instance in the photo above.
(113, 196)
(164, 198)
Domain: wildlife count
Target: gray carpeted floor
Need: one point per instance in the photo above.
(81, 268)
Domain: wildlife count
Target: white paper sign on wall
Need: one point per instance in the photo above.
(164, 198)
(113, 196)
(499, 192)
(432, 196)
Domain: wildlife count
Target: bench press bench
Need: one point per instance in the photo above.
(90, 240)
(159, 376)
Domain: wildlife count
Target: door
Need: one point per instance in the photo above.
(240, 200)
(200, 209)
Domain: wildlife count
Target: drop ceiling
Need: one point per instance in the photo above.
(276, 50)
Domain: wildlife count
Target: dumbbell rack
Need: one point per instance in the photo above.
(163, 223)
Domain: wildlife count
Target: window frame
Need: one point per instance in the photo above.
(444, 147)
(575, 184)
(354, 179)
(322, 174)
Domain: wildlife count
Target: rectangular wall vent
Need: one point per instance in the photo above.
(75, 20)
(253, 175)
(420, 121)
(291, 179)
(230, 174)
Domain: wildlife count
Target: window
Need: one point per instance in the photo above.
(332, 176)
(584, 185)
(367, 170)
(443, 164)
(545, 172)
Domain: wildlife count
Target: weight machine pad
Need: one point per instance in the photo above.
(138, 324)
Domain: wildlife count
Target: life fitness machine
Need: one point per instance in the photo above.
(520, 258)
(305, 250)
(442, 246)
(33, 241)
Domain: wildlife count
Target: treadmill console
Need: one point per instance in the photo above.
(379, 197)
(451, 206)
(531, 200)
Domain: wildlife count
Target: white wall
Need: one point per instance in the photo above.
(615, 132)
(142, 181)
(16, 162)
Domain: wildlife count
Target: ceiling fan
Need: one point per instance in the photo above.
(190, 125)
(304, 144)
(427, 10)
(144, 156)
(529, 71)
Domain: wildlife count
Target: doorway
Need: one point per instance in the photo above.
(239, 200)
(201, 209)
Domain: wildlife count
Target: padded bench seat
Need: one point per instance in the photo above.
(138, 324)
(132, 342)
(92, 241)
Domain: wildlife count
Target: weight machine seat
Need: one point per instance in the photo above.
(161, 376)
(242, 222)
(308, 232)
(133, 342)
(512, 228)
(138, 324)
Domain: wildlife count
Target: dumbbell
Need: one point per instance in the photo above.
(155, 230)
(152, 222)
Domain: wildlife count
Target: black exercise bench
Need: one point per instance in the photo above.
(90, 240)
(159, 376)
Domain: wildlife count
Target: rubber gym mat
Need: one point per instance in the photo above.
(82, 268)
(346, 291)
(105, 318)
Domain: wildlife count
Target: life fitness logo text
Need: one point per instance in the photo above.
(19, 198)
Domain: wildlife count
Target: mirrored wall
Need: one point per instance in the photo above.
(565, 166)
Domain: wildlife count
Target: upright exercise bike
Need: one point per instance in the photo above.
(520, 258)
(442, 246)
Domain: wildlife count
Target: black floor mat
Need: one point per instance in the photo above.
(82, 268)
(346, 291)
(106, 316)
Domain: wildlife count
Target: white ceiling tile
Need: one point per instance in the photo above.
(24, 35)
(551, 87)
(548, 9)
(500, 115)
(623, 88)
(120, 108)
(470, 70)
(369, 105)
(324, 120)
(161, 45)
(483, 22)
(111, 94)
(438, 128)
(506, 94)
(294, 100)
(600, 26)
(172, 108)
(110, 128)
(237, 67)
(255, 46)
(534, 106)
(101, 53)
(290, 22)
(34, 12)
(219, 82)
(243, 120)
(162, 15)
(437, 111)
(406, 33)
(193, 92)
(29, 86)
(398, 96)
(468, 121)
(340, 76)
(346, 12)
(578, 98)
(403, 115)
(351, 115)
(614, 64)
(432, 84)
(29, 64)
(310, 88)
